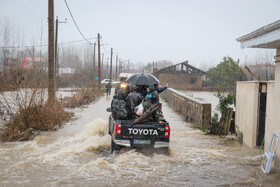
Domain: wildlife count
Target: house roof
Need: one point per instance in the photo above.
(264, 37)
(183, 67)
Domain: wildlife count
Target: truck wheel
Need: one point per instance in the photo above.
(109, 125)
(115, 147)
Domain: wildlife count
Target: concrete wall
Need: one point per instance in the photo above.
(272, 123)
(181, 80)
(247, 112)
(273, 110)
(246, 116)
(195, 111)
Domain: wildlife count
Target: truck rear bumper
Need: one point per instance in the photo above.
(126, 143)
(161, 144)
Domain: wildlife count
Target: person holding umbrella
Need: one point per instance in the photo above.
(143, 81)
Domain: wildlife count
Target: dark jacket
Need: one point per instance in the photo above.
(155, 93)
(108, 87)
(161, 89)
(133, 99)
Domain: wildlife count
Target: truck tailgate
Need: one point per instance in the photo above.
(143, 131)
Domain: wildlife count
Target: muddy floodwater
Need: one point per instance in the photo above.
(79, 155)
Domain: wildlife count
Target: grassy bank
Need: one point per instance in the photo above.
(25, 112)
(29, 121)
(82, 97)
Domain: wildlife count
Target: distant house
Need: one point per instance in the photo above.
(181, 76)
(64, 70)
(34, 63)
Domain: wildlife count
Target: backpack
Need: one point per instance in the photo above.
(119, 109)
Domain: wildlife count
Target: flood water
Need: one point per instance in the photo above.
(79, 155)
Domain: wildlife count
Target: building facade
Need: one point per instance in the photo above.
(181, 76)
(258, 103)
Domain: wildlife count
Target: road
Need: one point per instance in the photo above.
(79, 155)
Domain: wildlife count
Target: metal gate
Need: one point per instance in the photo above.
(261, 113)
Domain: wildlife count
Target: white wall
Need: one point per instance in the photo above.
(246, 116)
(272, 122)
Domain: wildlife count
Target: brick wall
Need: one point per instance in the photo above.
(181, 81)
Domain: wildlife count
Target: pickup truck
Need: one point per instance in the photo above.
(140, 135)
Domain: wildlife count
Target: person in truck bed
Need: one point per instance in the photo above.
(154, 94)
(133, 99)
(155, 90)
(118, 104)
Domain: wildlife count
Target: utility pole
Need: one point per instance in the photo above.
(102, 61)
(99, 63)
(128, 66)
(93, 65)
(153, 66)
(107, 65)
(51, 81)
(111, 67)
(120, 69)
(56, 49)
(116, 67)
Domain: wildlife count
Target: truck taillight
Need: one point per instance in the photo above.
(118, 129)
(167, 131)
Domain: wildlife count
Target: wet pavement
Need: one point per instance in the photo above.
(79, 155)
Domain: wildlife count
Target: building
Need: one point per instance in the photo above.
(64, 70)
(34, 63)
(258, 102)
(181, 76)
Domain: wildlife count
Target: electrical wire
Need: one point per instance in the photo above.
(45, 45)
(102, 44)
(75, 22)
(25, 7)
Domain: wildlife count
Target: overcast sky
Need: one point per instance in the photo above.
(146, 30)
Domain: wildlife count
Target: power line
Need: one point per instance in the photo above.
(103, 45)
(75, 22)
(45, 45)
(28, 7)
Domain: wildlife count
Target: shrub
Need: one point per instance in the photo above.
(220, 126)
(25, 112)
(82, 97)
(28, 121)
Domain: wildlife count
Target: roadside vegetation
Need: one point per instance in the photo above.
(84, 96)
(221, 121)
(224, 77)
(225, 74)
(25, 112)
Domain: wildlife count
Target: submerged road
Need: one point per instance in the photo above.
(79, 155)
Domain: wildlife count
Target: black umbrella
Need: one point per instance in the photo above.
(142, 79)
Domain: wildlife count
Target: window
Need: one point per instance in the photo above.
(193, 80)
